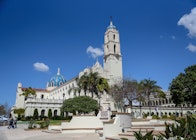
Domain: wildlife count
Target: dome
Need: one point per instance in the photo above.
(111, 26)
(56, 80)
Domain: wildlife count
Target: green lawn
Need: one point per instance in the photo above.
(52, 122)
(57, 122)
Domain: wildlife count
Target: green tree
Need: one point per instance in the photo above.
(83, 82)
(93, 83)
(150, 88)
(49, 113)
(28, 92)
(80, 104)
(35, 114)
(19, 111)
(183, 87)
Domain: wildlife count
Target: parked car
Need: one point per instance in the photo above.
(3, 120)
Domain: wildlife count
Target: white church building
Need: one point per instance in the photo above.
(57, 88)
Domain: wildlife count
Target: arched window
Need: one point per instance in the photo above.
(114, 37)
(55, 112)
(43, 113)
(170, 113)
(170, 101)
(42, 96)
(159, 102)
(166, 100)
(114, 48)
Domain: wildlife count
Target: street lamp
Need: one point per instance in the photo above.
(62, 103)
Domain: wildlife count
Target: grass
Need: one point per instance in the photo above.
(56, 122)
(52, 122)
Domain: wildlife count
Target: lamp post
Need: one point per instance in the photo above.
(62, 103)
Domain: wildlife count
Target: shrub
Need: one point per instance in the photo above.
(155, 117)
(32, 125)
(44, 124)
(164, 116)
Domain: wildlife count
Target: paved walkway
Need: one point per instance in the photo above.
(21, 134)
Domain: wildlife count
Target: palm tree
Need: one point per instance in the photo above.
(150, 88)
(82, 82)
(28, 92)
(93, 83)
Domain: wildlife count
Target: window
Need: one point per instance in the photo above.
(114, 48)
(42, 96)
(55, 112)
(42, 113)
(166, 100)
(114, 36)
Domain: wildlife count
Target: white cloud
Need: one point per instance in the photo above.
(166, 36)
(41, 67)
(94, 52)
(161, 36)
(189, 22)
(191, 48)
(173, 37)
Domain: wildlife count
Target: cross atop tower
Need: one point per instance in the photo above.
(111, 26)
(111, 21)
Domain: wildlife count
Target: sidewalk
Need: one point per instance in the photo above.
(21, 134)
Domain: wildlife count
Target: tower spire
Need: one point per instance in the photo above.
(58, 73)
(111, 26)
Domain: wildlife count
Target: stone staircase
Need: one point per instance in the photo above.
(143, 126)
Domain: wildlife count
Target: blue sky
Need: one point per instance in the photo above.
(158, 39)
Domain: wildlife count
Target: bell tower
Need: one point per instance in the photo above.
(112, 54)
